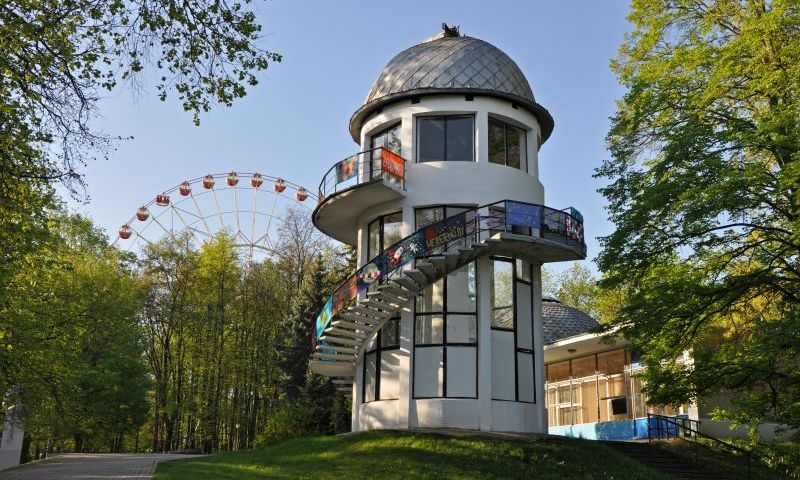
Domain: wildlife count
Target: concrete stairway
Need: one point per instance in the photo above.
(658, 458)
(350, 329)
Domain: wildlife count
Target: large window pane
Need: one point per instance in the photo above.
(524, 316)
(461, 328)
(583, 367)
(369, 377)
(525, 377)
(557, 372)
(431, 143)
(428, 216)
(392, 233)
(462, 376)
(432, 298)
(497, 142)
(390, 333)
(429, 329)
(428, 372)
(374, 239)
(611, 362)
(502, 300)
(461, 291)
(514, 139)
(503, 368)
(390, 375)
(459, 139)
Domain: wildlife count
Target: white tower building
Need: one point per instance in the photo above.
(441, 326)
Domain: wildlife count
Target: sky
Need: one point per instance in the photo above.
(294, 123)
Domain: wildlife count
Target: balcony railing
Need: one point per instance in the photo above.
(473, 225)
(364, 167)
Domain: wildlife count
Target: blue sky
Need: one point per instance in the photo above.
(294, 123)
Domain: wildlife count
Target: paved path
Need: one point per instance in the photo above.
(91, 466)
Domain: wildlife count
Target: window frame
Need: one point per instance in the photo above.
(516, 277)
(373, 158)
(445, 119)
(378, 350)
(444, 313)
(523, 154)
(381, 232)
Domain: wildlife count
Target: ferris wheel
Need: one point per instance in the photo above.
(249, 207)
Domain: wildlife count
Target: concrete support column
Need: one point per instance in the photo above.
(538, 349)
(482, 135)
(484, 343)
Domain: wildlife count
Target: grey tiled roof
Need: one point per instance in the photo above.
(562, 321)
(451, 64)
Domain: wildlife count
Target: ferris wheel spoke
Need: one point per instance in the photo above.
(200, 214)
(236, 209)
(253, 220)
(168, 232)
(267, 242)
(180, 217)
(219, 210)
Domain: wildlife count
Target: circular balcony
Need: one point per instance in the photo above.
(354, 184)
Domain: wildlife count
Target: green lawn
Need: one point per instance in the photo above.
(388, 455)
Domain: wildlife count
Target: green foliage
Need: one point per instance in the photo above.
(71, 341)
(703, 189)
(57, 55)
(290, 421)
(392, 455)
(228, 342)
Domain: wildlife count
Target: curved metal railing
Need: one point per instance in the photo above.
(363, 167)
(473, 224)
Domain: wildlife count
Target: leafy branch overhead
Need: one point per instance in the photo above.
(59, 55)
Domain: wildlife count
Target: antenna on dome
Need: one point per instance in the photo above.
(450, 31)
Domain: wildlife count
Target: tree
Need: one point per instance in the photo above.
(57, 55)
(703, 189)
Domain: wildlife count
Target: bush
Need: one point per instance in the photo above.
(290, 421)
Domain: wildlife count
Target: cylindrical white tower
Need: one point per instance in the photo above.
(441, 327)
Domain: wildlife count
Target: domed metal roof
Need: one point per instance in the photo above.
(451, 63)
(562, 321)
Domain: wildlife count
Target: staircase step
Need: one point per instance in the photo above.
(405, 282)
(356, 318)
(387, 297)
(333, 356)
(350, 325)
(348, 333)
(340, 340)
(334, 348)
(417, 276)
(397, 291)
(428, 269)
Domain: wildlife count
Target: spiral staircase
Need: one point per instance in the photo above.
(343, 340)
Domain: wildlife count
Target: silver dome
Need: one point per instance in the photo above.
(450, 63)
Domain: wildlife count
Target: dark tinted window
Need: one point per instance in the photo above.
(431, 139)
(459, 139)
(506, 144)
(448, 138)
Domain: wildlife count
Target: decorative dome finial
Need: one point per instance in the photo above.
(451, 31)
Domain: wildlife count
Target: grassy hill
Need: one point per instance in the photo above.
(394, 455)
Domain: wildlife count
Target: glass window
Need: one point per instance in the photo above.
(506, 144)
(446, 318)
(445, 138)
(392, 229)
(583, 366)
(502, 300)
(611, 362)
(382, 364)
(459, 139)
(388, 139)
(383, 232)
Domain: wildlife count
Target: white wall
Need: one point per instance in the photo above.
(458, 183)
